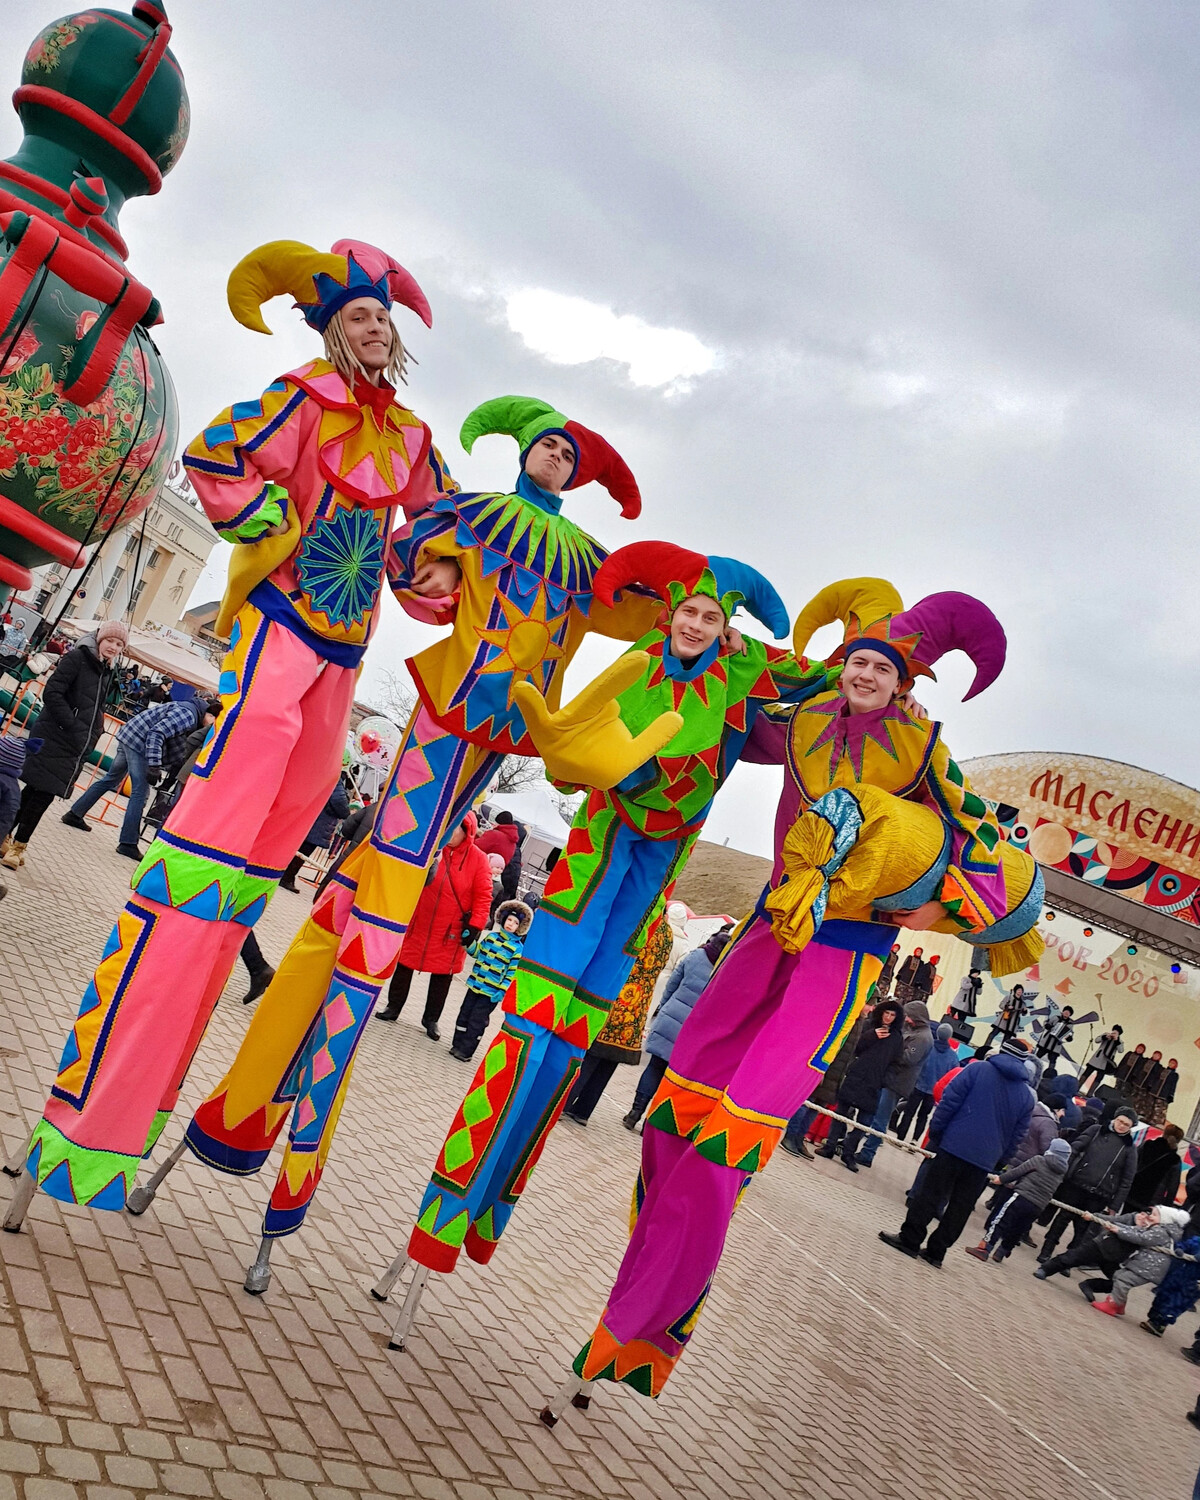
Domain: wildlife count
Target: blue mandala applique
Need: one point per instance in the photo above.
(340, 564)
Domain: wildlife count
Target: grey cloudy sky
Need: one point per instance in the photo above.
(941, 255)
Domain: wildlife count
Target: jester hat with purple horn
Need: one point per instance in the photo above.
(675, 574)
(917, 638)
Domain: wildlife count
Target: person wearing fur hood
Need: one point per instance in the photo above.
(496, 955)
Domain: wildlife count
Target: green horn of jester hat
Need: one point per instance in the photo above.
(675, 574)
(527, 419)
(912, 639)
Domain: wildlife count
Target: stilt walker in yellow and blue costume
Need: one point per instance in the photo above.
(626, 847)
(515, 578)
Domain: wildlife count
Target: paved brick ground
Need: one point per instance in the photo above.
(825, 1367)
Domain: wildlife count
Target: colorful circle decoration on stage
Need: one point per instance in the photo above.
(88, 416)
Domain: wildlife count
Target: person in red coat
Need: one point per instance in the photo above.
(501, 839)
(451, 913)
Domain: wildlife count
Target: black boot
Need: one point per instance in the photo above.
(288, 881)
(258, 983)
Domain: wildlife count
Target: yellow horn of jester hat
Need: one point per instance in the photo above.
(867, 599)
(320, 283)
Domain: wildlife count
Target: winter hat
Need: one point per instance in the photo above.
(1015, 1047)
(497, 863)
(1128, 1111)
(518, 909)
(716, 945)
(945, 1031)
(12, 755)
(112, 629)
(1173, 1218)
(1059, 1148)
(915, 1010)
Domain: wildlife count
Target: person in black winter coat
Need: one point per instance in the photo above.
(320, 835)
(64, 734)
(880, 1044)
(1103, 1161)
(1158, 1172)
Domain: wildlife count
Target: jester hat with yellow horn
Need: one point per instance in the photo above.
(527, 419)
(321, 284)
(915, 639)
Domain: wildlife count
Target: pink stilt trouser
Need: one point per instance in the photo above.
(258, 786)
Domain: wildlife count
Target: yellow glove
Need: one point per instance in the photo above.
(584, 742)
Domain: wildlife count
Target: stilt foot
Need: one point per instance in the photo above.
(408, 1312)
(142, 1197)
(383, 1287)
(19, 1204)
(573, 1392)
(258, 1276)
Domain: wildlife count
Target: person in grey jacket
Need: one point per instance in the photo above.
(1103, 1161)
(682, 990)
(1031, 1185)
(1151, 1235)
(901, 1078)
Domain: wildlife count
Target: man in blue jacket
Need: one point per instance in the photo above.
(980, 1122)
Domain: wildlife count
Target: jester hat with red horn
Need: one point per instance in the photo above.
(915, 639)
(675, 574)
(527, 419)
(321, 284)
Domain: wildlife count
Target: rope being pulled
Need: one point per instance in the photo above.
(913, 1149)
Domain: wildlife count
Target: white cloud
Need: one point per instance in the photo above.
(573, 331)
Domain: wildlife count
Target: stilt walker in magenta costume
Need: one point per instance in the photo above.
(875, 816)
(514, 577)
(625, 849)
(308, 481)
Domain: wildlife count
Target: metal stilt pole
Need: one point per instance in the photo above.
(573, 1392)
(19, 1204)
(408, 1312)
(383, 1287)
(258, 1276)
(142, 1197)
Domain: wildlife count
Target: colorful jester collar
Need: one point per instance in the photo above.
(847, 733)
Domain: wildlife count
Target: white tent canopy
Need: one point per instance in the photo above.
(177, 662)
(537, 810)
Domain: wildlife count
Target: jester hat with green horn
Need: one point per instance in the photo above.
(527, 419)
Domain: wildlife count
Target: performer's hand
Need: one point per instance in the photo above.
(437, 578)
(914, 709)
(734, 640)
(280, 530)
(923, 918)
(584, 742)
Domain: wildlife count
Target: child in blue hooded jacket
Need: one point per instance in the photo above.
(496, 956)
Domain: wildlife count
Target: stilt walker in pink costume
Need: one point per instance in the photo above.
(308, 482)
(877, 825)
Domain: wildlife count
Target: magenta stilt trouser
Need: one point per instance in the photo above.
(761, 1036)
